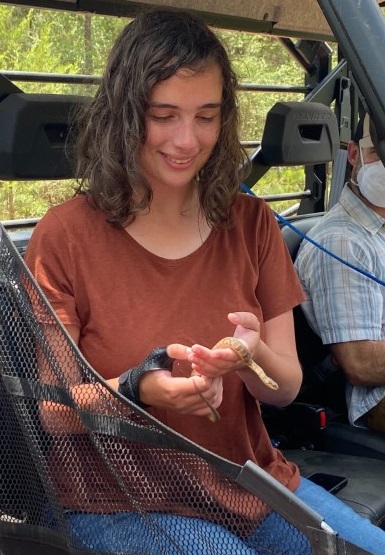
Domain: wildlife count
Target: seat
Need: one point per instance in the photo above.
(130, 458)
(21, 239)
(293, 230)
(323, 390)
(116, 455)
(38, 139)
(17, 469)
(316, 423)
(324, 383)
(364, 476)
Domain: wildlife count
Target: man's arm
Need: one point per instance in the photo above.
(344, 307)
(362, 361)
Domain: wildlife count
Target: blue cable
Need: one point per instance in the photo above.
(284, 221)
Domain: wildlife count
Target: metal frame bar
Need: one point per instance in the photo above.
(364, 53)
(79, 79)
(267, 18)
(320, 86)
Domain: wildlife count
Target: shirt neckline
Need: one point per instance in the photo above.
(169, 261)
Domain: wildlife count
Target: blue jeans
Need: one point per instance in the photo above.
(349, 525)
(155, 532)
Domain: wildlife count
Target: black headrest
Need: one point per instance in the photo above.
(299, 133)
(33, 133)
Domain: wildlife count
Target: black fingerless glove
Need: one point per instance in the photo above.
(158, 359)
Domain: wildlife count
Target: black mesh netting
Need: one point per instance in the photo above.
(85, 470)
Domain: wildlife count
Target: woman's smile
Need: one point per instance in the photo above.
(183, 125)
(178, 161)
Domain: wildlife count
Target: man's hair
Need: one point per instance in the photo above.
(112, 129)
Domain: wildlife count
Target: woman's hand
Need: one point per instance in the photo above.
(276, 355)
(196, 395)
(217, 362)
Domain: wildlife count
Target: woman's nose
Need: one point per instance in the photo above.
(185, 136)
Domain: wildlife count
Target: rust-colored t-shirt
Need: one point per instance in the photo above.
(126, 301)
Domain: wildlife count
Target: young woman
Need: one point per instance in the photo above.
(160, 248)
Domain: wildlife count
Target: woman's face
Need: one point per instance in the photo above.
(183, 124)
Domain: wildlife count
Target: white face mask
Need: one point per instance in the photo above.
(371, 182)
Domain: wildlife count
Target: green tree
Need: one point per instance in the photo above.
(29, 42)
(59, 42)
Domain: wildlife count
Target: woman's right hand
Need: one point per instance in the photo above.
(191, 395)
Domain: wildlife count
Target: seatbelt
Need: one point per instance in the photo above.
(338, 177)
(284, 221)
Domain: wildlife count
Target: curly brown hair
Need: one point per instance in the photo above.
(112, 128)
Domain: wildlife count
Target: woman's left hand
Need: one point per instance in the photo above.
(276, 355)
(217, 362)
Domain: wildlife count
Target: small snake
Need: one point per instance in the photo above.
(244, 355)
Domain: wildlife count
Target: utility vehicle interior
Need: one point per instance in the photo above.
(313, 431)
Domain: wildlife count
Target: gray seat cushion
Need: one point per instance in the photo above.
(364, 491)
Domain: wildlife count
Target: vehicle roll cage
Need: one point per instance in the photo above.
(320, 85)
(33, 135)
(352, 85)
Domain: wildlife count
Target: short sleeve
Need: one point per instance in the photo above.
(346, 305)
(278, 288)
(49, 257)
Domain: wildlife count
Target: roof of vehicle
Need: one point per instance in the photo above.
(277, 17)
(358, 28)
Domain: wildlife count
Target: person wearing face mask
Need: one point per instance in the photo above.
(371, 172)
(343, 306)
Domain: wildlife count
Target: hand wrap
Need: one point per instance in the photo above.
(158, 359)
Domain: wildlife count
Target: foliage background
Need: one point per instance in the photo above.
(59, 42)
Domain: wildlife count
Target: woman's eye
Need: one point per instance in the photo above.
(162, 119)
(206, 118)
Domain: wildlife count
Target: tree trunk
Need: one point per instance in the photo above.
(88, 61)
